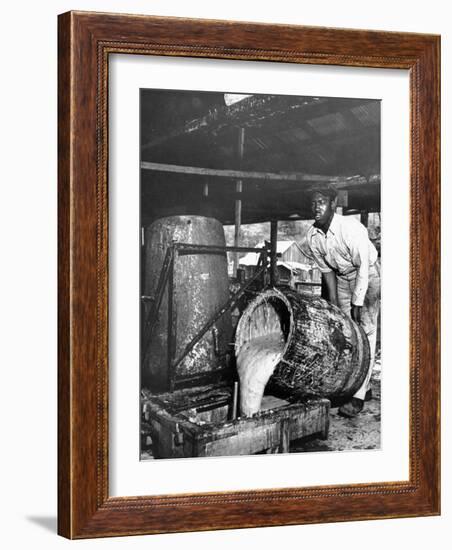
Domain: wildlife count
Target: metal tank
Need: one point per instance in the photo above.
(200, 288)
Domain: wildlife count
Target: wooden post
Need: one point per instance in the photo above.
(342, 198)
(235, 400)
(238, 201)
(285, 436)
(365, 217)
(273, 252)
(326, 424)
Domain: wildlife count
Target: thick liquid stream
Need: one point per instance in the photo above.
(256, 362)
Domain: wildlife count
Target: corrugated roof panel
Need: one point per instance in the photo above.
(368, 114)
(331, 123)
(260, 143)
(288, 137)
(295, 134)
(321, 154)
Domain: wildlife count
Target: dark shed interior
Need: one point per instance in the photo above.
(196, 146)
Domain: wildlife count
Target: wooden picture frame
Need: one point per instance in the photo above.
(85, 508)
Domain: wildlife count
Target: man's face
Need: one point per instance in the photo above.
(322, 208)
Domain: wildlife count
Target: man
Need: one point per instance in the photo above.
(348, 261)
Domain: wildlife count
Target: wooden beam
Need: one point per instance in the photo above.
(238, 201)
(295, 177)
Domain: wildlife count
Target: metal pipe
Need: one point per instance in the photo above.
(184, 249)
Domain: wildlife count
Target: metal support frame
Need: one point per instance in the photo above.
(172, 321)
(167, 278)
(225, 307)
(184, 249)
(151, 318)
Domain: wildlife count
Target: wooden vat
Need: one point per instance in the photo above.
(326, 354)
(196, 422)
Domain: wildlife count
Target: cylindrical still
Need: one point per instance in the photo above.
(200, 288)
(306, 346)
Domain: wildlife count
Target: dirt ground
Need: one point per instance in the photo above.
(361, 432)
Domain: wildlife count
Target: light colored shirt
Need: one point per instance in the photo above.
(346, 250)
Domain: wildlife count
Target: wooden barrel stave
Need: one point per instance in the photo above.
(326, 353)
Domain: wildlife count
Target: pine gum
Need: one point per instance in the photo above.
(256, 362)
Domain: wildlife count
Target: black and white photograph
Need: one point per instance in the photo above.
(224, 230)
(260, 274)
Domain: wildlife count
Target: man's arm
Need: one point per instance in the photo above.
(331, 285)
(328, 274)
(359, 251)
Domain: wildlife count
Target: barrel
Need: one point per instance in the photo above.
(324, 353)
(200, 289)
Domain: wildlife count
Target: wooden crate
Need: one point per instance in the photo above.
(195, 422)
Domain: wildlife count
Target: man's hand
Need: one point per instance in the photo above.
(356, 313)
